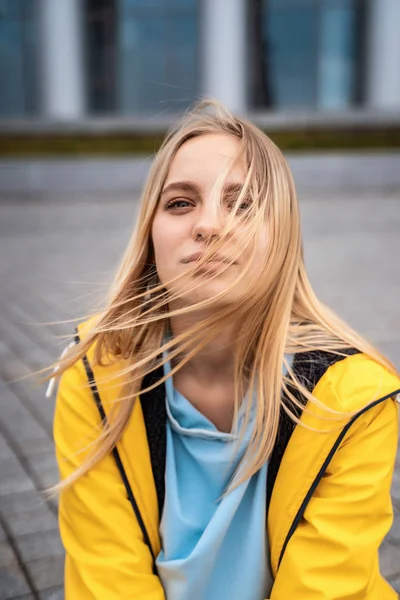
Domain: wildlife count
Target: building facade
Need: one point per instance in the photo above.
(73, 59)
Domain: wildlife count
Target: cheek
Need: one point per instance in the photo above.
(260, 251)
(157, 237)
(162, 233)
(166, 248)
(169, 235)
(263, 244)
(160, 246)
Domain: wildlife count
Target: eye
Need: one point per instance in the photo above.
(242, 207)
(178, 204)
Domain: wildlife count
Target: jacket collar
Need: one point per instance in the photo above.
(309, 367)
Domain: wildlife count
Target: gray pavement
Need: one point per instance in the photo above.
(57, 259)
(331, 172)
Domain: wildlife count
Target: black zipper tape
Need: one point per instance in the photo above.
(116, 455)
(321, 472)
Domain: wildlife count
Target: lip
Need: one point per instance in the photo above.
(216, 258)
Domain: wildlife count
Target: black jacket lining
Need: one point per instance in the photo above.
(308, 367)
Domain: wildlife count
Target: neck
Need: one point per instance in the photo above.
(216, 359)
(207, 379)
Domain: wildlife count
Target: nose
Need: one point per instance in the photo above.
(208, 224)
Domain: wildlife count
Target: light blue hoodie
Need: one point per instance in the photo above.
(213, 546)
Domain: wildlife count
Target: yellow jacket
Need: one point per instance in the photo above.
(329, 510)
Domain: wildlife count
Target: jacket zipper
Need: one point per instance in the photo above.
(117, 457)
(304, 504)
(325, 465)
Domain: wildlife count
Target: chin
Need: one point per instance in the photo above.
(194, 290)
(208, 291)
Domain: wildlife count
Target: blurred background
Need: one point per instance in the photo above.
(106, 78)
(88, 89)
(75, 59)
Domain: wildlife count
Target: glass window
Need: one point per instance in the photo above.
(158, 3)
(292, 43)
(337, 56)
(142, 64)
(181, 59)
(141, 55)
(309, 52)
(17, 58)
(157, 55)
(100, 45)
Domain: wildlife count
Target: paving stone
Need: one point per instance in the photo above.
(394, 533)
(7, 556)
(37, 520)
(389, 559)
(17, 420)
(5, 450)
(12, 582)
(44, 408)
(19, 502)
(396, 487)
(30, 447)
(3, 536)
(47, 573)
(45, 468)
(46, 253)
(11, 367)
(22, 346)
(395, 582)
(53, 594)
(52, 503)
(32, 392)
(13, 477)
(45, 545)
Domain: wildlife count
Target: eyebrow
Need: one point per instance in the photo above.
(187, 186)
(231, 188)
(190, 186)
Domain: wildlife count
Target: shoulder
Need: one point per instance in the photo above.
(349, 383)
(83, 387)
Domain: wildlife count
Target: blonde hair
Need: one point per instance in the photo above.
(278, 312)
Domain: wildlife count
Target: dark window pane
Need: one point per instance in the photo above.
(294, 3)
(17, 57)
(181, 62)
(309, 53)
(185, 3)
(292, 44)
(12, 99)
(100, 42)
(337, 65)
(142, 64)
(158, 3)
(128, 4)
(157, 54)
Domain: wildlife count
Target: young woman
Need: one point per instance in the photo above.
(219, 432)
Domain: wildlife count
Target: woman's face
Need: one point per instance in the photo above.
(189, 217)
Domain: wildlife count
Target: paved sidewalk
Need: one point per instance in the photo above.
(338, 172)
(56, 260)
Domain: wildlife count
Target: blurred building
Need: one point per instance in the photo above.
(73, 59)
